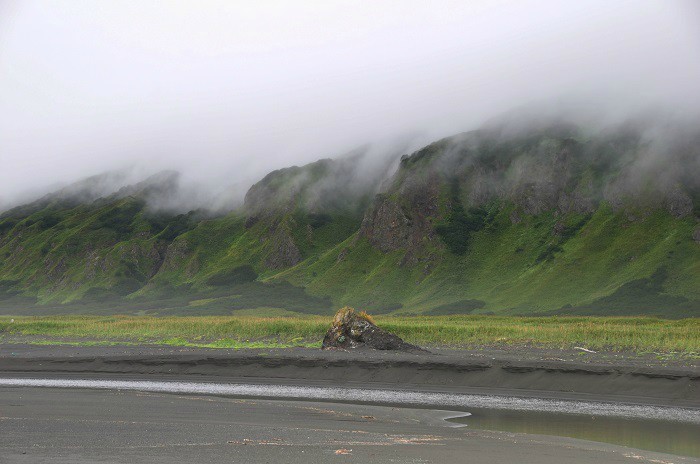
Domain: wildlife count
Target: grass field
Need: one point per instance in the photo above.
(599, 333)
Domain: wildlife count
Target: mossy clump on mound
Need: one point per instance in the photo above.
(351, 329)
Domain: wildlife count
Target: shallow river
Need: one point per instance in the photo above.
(673, 437)
(663, 429)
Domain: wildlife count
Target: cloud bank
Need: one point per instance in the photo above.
(226, 91)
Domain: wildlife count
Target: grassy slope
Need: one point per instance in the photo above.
(511, 267)
(602, 263)
(505, 269)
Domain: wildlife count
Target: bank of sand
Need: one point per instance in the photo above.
(86, 425)
(525, 372)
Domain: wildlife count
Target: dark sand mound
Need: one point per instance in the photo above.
(529, 372)
(353, 329)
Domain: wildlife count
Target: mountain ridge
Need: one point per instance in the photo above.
(547, 220)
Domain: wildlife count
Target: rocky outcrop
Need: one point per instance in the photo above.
(678, 203)
(405, 224)
(558, 229)
(56, 269)
(576, 202)
(696, 234)
(95, 264)
(386, 226)
(147, 257)
(283, 251)
(176, 254)
(536, 197)
(351, 330)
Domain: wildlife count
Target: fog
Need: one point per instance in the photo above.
(224, 92)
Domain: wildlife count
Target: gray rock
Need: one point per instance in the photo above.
(390, 225)
(352, 330)
(284, 252)
(386, 226)
(678, 203)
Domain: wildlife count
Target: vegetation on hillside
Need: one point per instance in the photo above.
(547, 220)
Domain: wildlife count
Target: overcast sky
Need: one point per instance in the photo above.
(226, 90)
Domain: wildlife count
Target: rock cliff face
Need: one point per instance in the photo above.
(679, 203)
(283, 251)
(176, 255)
(555, 170)
(386, 226)
(289, 205)
(403, 218)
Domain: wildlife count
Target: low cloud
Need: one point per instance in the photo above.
(224, 92)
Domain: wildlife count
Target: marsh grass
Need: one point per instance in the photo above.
(638, 334)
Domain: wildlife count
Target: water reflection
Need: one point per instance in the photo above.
(648, 434)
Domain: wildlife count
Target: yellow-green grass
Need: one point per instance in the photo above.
(598, 333)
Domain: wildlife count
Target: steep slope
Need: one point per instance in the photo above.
(65, 247)
(120, 252)
(540, 220)
(508, 219)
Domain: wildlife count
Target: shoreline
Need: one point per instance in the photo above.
(157, 402)
(460, 404)
(112, 426)
(533, 374)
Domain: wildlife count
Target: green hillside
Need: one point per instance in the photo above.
(539, 220)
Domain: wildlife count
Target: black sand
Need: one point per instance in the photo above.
(80, 426)
(543, 373)
(86, 426)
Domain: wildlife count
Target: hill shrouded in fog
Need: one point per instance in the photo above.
(536, 218)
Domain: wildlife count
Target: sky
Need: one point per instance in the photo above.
(225, 91)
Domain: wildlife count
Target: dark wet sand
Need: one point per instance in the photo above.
(533, 373)
(89, 426)
(75, 425)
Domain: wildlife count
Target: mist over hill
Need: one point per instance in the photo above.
(534, 215)
(226, 92)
